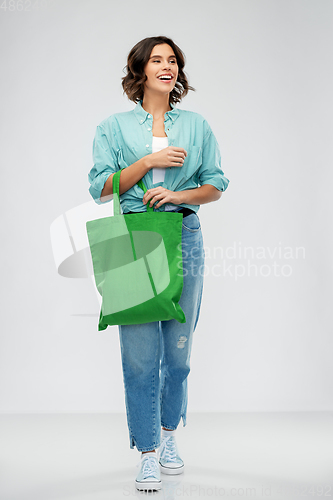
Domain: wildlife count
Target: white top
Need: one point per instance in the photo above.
(159, 173)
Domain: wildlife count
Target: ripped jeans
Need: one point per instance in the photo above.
(156, 356)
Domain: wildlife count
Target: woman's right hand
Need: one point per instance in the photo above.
(171, 156)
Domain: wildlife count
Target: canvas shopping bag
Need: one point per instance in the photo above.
(137, 262)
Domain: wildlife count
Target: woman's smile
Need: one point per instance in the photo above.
(167, 78)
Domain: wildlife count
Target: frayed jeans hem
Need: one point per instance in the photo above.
(170, 427)
(133, 445)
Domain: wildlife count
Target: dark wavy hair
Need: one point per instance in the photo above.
(133, 82)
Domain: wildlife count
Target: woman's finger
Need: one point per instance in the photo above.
(153, 192)
(162, 197)
(155, 198)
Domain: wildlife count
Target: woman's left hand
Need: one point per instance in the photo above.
(162, 195)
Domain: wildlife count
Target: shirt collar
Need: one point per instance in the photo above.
(142, 115)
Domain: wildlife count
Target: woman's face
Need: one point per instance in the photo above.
(162, 61)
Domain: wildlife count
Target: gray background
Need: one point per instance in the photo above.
(263, 74)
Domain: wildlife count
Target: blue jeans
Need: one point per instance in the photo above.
(156, 356)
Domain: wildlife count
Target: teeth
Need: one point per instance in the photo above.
(165, 77)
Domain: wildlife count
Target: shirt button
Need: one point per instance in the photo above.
(148, 128)
(147, 145)
(149, 116)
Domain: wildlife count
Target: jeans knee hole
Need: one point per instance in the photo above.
(181, 342)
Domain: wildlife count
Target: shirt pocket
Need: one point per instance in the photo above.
(192, 162)
(191, 165)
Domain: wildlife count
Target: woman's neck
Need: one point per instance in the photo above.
(156, 106)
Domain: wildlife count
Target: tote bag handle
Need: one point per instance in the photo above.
(115, 189)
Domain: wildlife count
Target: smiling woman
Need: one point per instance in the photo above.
(145, 63)
(177, 156)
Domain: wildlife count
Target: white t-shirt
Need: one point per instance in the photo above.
(159, 173)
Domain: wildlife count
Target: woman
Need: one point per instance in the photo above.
(176, 154)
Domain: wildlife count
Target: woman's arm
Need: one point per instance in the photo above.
(171, 156)
(200, 195)
(105, 165)
(196, 196)
(129, 176)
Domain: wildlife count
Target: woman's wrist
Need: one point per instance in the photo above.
(148, 163)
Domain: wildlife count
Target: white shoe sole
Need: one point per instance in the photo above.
(171, 470)
(148, 485)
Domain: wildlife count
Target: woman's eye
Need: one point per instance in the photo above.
(157, 60)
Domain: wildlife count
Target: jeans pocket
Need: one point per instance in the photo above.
(191, 223)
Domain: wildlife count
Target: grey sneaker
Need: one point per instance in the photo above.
(169, 459)
(149, 475)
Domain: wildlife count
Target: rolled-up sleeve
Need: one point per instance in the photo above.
(105, 163)
(210, 171)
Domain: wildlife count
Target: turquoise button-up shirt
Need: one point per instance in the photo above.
(124, 138)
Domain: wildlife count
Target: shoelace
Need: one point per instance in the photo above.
(168, 449)
(149, 466)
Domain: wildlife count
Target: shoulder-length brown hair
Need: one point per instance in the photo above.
(133, 82)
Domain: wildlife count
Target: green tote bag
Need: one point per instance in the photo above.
(137, 262)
